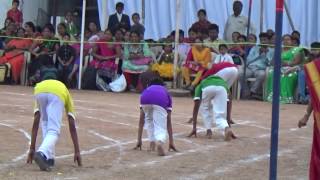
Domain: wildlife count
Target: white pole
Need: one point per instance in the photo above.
(261, 15)
(176, 55)
(84, 5)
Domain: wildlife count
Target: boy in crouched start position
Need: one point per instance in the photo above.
(155, 113)
(213, 92)
(52, 97)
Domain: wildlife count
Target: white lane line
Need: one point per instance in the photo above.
(26, 135)
(248, 160)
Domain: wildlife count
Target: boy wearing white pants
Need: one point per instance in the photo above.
(155, 115)
(213, 92)
(52, 97)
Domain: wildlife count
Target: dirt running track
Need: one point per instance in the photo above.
(107, 129)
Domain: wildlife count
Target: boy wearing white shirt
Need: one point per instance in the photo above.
(223, 56)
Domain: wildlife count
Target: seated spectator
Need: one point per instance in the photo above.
(291, 58)
(213, 41)
(126, 37)
(71, 28)
(94, 32)
(223, 55)
(270, 32)
(197, 62)
(295, 42)
(137, 26)
(252, 41)
(303, 94)
(295, 34)
(62, 32)
(10, 31)
(44, 44)
(6, 24)
(192, 35)
(258, 60)
(202, 23)
(105, 53)
(15, 14)
(14, 54)
(66, 56)
(136, 60)
(46, 71)
(238, 48)
(119, 36)
(164, 66)
(77, 46)
(30, 29)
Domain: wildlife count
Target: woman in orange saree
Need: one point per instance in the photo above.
(14, 54)
(312, 71)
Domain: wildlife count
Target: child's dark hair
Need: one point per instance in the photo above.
(243, 37)
(135, 14)
(46, 60)
(16, 1)
(150, 78)
(67, 34)
(315, 45)
(213, 27)
(203, 11)
(119, 5)
(31, 25)
(223, 46)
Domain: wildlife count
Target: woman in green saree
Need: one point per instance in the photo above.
(291, 57)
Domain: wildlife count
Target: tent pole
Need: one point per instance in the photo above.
(84, 5)
(261, 15)
(289, 16)
(176, 55)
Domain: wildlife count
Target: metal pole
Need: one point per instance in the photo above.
(84, 5)
(249, 18)
(143, 13)
(176, 56)
(276, 92)
(244, 60)
(261, 15)
(289, 16)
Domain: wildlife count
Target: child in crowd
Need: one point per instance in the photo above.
(223, 55)
(51, 97)
(164, 66)
(197, 62)
(212, 94)
(137, 26)
(155, 113)
(66, 57)
(46, 70)
(15, 14)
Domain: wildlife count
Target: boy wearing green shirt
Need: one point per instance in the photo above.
(213, 92)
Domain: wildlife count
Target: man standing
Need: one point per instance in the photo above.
(119, 20)
(237, 23)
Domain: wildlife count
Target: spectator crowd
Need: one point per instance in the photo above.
(122, 49)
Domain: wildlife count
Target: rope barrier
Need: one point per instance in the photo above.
(150, 43)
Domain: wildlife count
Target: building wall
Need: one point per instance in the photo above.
(31, 9)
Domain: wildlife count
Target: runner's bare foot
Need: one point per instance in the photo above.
(152, 146)
(160, 149)
(209, 134)
(229, 134)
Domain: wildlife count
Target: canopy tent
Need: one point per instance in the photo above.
(160, 16)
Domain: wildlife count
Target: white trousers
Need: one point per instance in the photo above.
(230, 75)
(155, 122)
(51, 111)
(214, 107)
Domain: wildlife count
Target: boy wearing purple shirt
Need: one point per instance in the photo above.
(155, 113)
